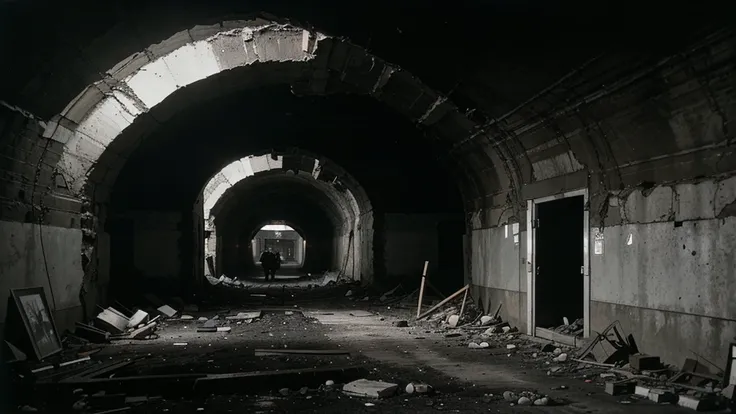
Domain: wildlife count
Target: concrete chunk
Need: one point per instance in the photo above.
(662, 396)
(111, 321)
(167, 311)
(138, 318)
(371, 389)
(613, 388)
(641, 362)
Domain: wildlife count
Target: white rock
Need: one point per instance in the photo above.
(541, 401)
(473, 345)
(349, 293)
(485, 320)
(509, 396)
(453, 320)
(561, 358)
(534, 355)
(524, 401)
(329, 383)
(484, 344)
(506, 329)
(557, 351)
(186, 317)
(510, 346)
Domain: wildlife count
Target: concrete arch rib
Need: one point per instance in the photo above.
(276, 194)
(137, 93)
(297, 161)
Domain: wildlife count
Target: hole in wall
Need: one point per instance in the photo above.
(678, 224)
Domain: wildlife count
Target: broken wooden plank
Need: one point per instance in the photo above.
(421, 289)
(98, 370)
(266, 380)
(445, 301)
(462, 307)
(270, 352)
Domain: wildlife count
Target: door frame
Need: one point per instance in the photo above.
(531, 246)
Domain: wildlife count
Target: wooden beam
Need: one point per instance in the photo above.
(421, 289)
(268, 352)
(439, 305)
(462, 307)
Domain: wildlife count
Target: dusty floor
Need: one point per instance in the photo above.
(465, 380)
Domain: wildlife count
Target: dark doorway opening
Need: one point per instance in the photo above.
(559, 261)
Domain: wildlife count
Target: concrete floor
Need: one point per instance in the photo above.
(464, 378)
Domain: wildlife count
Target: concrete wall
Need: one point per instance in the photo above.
(498, 272)
(667, 270)
(25, 261)
(410, 240)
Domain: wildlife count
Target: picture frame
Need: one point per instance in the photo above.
(38, 321)
(729, 377)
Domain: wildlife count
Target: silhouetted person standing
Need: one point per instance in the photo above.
(268, 260)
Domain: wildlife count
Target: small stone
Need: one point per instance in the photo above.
(284, 391)
(506, 329)
(370, 405)
(510, 346)
(186, 317)
(79, 405)
(473, 345)
(509, 396)
(557, 351)
(484, 345)
(329, 383)
(534, 355)
(349, 293)
(28, 409)
(77, 391)
(541, 401)
(453, 320)
(485, 320)
(303, 390)
(524, 401)
(409, 388)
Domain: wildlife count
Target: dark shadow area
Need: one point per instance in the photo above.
(155, 220)
(559, 258)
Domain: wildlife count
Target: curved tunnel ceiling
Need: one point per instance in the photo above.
(225, 184)
(381, 158)
(270, 195)
(270, 53)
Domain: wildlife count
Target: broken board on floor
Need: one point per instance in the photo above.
(245, 315)
(273, 352)
(370, 389)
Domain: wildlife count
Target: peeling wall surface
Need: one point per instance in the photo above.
(25, 262)
(667, 271)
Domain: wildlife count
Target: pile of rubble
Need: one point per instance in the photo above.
(572, 329)
(613, 361)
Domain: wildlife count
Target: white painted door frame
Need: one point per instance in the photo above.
(531, 236)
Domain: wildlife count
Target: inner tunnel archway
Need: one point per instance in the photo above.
(328, 205)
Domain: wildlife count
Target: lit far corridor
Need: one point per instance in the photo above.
(270, 207)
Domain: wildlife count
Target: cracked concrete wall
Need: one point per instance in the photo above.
(667, 270)
(654, 148)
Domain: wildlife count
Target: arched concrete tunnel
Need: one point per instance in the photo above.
(449, 134)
